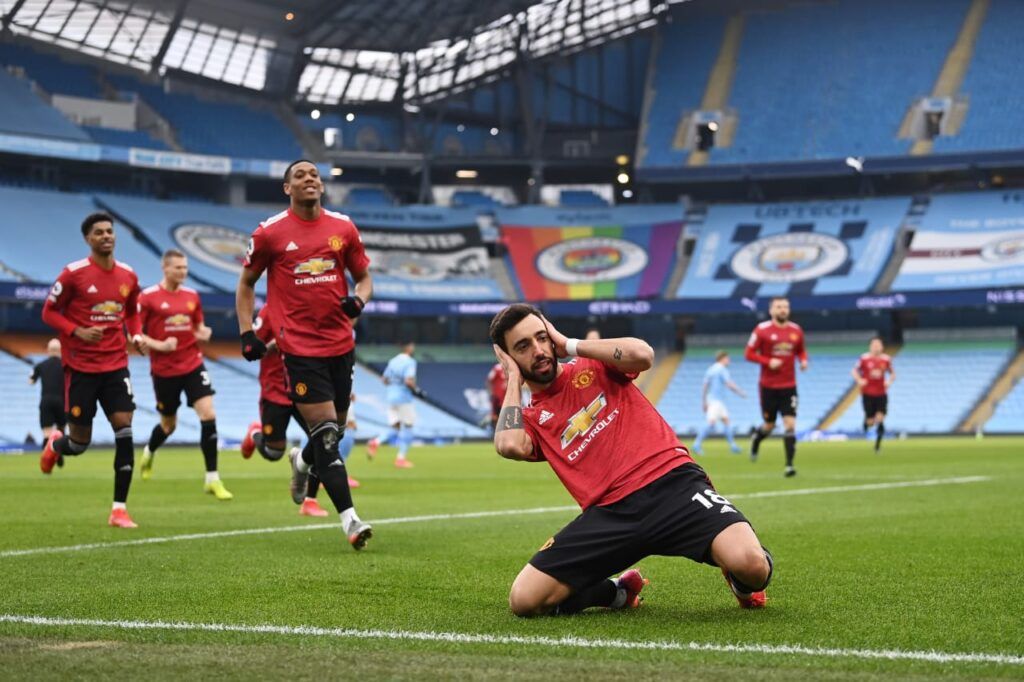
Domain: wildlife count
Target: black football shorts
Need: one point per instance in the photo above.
(112, 390)
(679, 514)
(196, 384)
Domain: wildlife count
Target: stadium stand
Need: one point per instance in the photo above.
(992, 86)
(473, 199)
(365, 133)
(220, 128)
(54, 218)
(22, 112)
(804, 54)
(686, 51)
(1009, 414)
(369, 196)
(830, 247)
(576, 198)
(52, 73)
(936, 385)
(124, 138)
(826, 380)
(20, 415)
(966, 240)
(213, 236)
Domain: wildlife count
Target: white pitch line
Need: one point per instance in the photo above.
(467, 515)
(559, 642)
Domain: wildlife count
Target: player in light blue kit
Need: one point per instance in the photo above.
(716, 380)
(400, 379)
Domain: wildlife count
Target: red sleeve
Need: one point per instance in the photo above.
(751, 353)
(197, 314)
(801, 350)
(858, 367)
(264, 330)
(143, 308)
(132, 319)
(356, 260)
(55, 302)
(256, 256)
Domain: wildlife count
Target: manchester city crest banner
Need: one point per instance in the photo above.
(965, 241)
(426, 253)
(613, 253)
(798, 249)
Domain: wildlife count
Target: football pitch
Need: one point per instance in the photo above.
(903, 565)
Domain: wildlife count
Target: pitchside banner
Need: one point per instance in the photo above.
(426, 253)
(565, 254)
(966, 241)
(753, 251)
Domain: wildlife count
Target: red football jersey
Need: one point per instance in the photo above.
(873, 368)
(305, 263)
(273, 381)
(600, 434)
(172, 313)
(769, 340)
(86, 295)
(499, 381)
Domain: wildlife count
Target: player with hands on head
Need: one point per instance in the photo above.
(640, 492)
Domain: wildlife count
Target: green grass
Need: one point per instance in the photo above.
(915, 568)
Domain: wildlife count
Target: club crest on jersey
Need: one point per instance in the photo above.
(191, 305)
(583, 379)
(314, 266)
(581, 422)
(335, 242)
(125, 290)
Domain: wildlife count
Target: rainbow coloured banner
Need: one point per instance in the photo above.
(586, 262)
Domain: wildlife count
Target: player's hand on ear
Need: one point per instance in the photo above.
(557, 338)
(509, 365)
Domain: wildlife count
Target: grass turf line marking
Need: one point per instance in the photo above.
(562, 642)
(468, 515)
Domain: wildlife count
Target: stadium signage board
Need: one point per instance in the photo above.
(591, 259)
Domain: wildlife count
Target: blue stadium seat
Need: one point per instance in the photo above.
(54, 219)
(992, 85)
(369, 196)
(219, 128)
(473, 198)
(22, 112)
(1009, 414)
(52, 73)
(577, 198)
(825, 382)
(125, 138)
(936, 386)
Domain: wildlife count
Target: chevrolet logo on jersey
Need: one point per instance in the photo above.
(108, 308)
(581, 422)
(180, 318)
(315, 266)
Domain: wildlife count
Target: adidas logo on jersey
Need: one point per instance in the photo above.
(292, 246)
(92, 289)
(164, 305)
(544, 416)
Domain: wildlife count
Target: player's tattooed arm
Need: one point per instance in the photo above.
(626, 354)
(617, 354)
(510, 417)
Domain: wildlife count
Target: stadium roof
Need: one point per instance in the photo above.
(328, 51)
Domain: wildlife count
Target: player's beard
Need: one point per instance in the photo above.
(544, 376)
(780, 319)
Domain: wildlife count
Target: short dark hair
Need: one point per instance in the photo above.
(778, 298)
(288, 170)
(721, 354)
(508, 318)
(93, 218)
(171, 253)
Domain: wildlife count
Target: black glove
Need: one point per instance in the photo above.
(418, 392)
(252, 347)
(352, 306)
